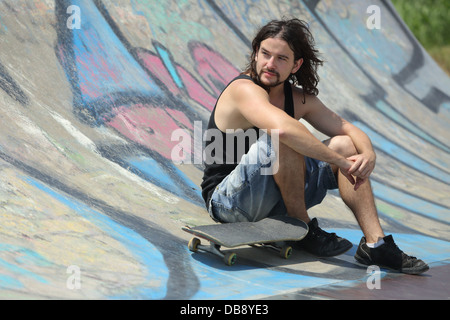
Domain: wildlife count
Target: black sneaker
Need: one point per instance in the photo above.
(322, 243)
(388, 255)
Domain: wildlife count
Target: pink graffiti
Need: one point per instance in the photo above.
(196, 91)
(152, 125)
(209, 64)
(156, 67)
(212, 67)
(148, 125)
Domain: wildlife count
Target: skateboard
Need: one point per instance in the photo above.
(270, 232)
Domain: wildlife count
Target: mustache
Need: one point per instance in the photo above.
(271, 71)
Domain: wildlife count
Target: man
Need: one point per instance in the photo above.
(303, 168)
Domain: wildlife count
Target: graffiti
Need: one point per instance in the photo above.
(377, 97)
(157, 100)
(10, 86)
(139, 93)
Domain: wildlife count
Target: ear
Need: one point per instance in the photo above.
(297, 65)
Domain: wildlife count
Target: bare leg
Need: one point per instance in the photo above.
(360, 202)
(290, 178)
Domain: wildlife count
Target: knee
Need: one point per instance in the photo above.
(343, 145)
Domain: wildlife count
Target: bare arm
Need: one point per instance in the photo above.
(332, 125)
(253, 104)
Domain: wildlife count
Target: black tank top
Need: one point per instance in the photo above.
(221, 157)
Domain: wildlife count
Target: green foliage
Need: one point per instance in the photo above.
(429, 20)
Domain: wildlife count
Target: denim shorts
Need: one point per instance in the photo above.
(250, 193)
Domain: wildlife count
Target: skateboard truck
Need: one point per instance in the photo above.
(229, 258)
(283, 250)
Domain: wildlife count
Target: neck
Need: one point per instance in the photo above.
(277, 91)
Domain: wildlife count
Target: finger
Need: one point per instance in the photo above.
(363, 171)
(366, 170)
(348, 176)
(355, 166)
(366, 173)
(359, 182)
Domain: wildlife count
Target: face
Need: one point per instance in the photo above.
(275, 62)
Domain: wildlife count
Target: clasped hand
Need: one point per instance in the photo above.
(358, 168)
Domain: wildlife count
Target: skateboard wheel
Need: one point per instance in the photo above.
(286, 252)
(193, 244)
(230, 258)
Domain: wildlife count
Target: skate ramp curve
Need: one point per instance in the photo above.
(96, 98)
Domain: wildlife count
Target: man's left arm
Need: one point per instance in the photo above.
(331, 124)
(364, 160)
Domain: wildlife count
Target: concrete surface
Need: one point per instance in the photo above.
(91, 201)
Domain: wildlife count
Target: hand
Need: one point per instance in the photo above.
(344, 166)
(362, 167)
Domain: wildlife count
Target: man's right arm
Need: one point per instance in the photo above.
(253, 104)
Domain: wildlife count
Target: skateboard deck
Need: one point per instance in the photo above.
(268, 232)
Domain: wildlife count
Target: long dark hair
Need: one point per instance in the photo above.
(296, 33)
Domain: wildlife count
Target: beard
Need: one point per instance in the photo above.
(272, 84)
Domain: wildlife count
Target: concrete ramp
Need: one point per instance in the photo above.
(96, 98)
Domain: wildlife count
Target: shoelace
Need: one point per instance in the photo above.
(398, 250)
(318, 232)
